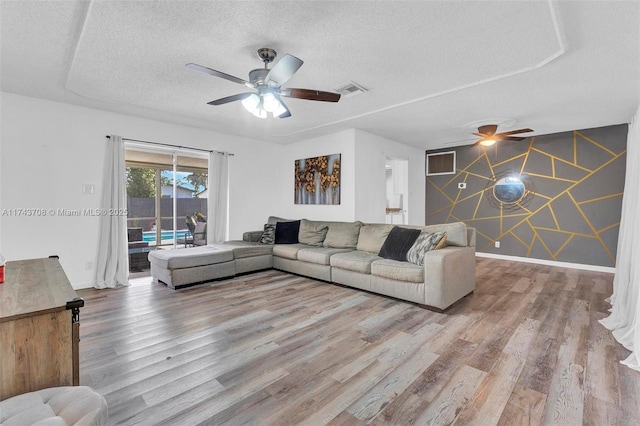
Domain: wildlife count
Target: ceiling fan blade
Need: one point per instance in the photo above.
(515, 132)
(218, 74)
(238, 97)
(488, 129)
(283, 70)
(500, 137)
(285, 114)
(311, 95)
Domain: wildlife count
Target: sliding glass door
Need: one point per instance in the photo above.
(162, 191)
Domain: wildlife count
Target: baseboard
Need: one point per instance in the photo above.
(83, 284)
(582, 266)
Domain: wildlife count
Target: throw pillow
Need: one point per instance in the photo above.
(425, 242)
(312, 233)
(269, 234)
(398, 243)
(287, 232)
(372, 237)
(342, 235)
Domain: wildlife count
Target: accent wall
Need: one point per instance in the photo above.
(571, 208)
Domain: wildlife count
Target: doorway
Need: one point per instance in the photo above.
(397, 191)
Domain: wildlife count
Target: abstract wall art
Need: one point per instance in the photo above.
(554, 197)
(317, 180)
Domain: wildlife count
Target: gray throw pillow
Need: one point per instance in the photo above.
(269, 234)
(372, 237)
(312, 233)
(425, 242)
(342, 235)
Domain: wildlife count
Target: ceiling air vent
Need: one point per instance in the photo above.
(350, 89)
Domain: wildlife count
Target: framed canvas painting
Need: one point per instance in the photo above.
(317, 180)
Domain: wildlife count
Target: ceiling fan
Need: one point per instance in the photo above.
(489, 135)
(268, 85)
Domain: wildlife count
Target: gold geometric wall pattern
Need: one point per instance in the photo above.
(576, 181)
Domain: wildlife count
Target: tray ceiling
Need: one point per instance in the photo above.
(429, 67)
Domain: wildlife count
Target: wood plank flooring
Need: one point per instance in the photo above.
(278, 349)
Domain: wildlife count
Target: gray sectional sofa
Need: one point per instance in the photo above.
(346, 253)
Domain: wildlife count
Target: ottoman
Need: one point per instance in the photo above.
(188, 266)
(67, 405)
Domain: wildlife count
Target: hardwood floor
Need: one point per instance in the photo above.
(273, 348)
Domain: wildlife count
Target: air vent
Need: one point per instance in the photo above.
(350, 89)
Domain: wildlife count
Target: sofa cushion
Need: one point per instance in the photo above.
(312, 233)
(456, 232)
(318, 255)
(269, 234)
(372, 237)
(287, 232)
(189, 257)
(275, 219)
(343, 235)
(398, 243)
(356, 261)
(288, 251)
(425, 242)
(396, 270)
(243, 249)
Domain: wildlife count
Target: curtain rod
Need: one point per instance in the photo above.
(173, 146)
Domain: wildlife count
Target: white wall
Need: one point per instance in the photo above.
(363, 177)
(336, 143)
(50, 149)
(371, 180)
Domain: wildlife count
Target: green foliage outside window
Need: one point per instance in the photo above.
(140, 182)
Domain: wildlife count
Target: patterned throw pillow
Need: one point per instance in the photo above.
(425, 242)
(269, 234)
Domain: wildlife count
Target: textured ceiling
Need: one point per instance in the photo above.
(429, 67)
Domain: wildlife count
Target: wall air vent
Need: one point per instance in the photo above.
(441, 163)
(350, 89)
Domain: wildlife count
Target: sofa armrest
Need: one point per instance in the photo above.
(471, 237)
(252, 236)
(449, 275)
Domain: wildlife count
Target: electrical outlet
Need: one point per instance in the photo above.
(88, 265)
(497, 244)
(462, 185)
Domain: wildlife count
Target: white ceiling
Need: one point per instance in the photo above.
(430, 66)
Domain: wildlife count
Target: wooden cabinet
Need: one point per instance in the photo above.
(39, 322)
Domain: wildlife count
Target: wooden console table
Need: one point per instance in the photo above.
(40, 328)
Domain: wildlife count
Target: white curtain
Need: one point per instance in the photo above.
(624, 321)
(112, 266)
(218, 202)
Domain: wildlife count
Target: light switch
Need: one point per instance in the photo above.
(88, 188)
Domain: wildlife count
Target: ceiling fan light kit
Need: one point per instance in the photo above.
(268, 83)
